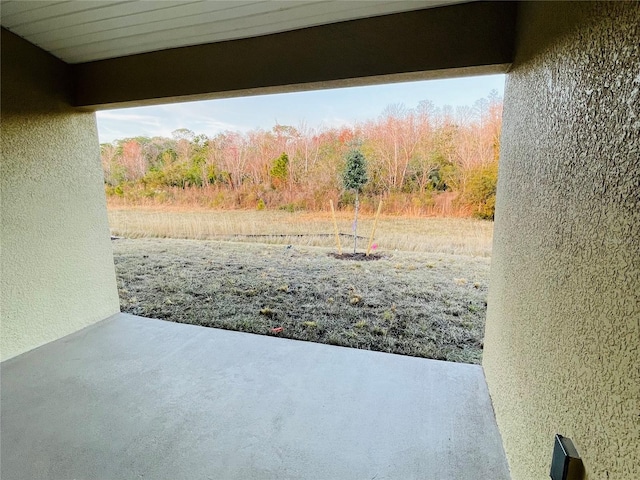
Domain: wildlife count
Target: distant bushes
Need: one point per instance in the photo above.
(480, 191)
(422, 161)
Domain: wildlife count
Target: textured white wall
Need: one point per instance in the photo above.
(57, 272)
(562, 346)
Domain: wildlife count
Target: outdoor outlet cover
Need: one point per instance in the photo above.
(566, 464)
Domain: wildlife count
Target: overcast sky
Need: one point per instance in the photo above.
(328, 108)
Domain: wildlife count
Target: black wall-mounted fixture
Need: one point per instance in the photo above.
(566, 464)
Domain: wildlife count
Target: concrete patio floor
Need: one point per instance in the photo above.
(133, 398)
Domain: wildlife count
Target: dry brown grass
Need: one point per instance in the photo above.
(423, 304)
(461, 236)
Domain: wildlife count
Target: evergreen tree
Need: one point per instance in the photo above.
(354, 178)
(280, 169)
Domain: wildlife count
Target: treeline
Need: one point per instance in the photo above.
(425, 160)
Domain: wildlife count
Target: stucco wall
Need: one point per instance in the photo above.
(562, 346)
(57, 272)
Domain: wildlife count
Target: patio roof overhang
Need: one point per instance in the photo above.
(453, 40)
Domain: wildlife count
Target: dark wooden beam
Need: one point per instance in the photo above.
(469, 38)
(35, 71)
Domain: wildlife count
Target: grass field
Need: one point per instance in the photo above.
(436, 235)
(415, 303)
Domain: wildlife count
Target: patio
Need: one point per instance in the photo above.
(132, 397)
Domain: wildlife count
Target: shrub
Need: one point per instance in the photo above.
(480, 191)
(347, 197)
(113, 190)
(279, 169)
(292, 207)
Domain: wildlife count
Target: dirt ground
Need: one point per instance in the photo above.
(411, 303)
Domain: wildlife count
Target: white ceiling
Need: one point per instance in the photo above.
(86, 30)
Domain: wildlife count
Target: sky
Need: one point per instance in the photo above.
(317, 109)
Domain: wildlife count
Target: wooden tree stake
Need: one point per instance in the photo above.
(335, 228)
(373, 230)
